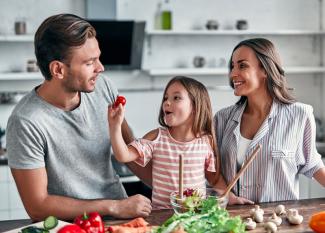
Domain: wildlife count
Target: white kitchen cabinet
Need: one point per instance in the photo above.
(11, 206)
(182, 38)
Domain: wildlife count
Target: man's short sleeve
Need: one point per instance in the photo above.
(25, 145)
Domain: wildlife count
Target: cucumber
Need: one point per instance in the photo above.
(33, 229)
(50, 222)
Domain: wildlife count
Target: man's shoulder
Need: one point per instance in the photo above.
(27, 106)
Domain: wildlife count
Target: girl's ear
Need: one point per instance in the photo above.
(57, 69)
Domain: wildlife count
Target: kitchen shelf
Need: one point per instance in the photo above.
(224, 71)
(17, 38)
(233, 32)
(20, 76)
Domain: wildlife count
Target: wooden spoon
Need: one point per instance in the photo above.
(242, 170)
(180, 178)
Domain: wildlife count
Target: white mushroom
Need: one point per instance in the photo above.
(280, 209)
(250, 224)
(251, 212)
(256, 209)
(294, 217)
(270, 227)
(276, 219)
(258, 216)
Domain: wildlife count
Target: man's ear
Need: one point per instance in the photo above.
(57, 69)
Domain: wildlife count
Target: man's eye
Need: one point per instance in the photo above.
(89, 63)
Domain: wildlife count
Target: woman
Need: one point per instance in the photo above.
(266, 114)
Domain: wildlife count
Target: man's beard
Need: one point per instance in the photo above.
(71, 82)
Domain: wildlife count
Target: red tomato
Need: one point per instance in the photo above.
(119, 100)
(71, 228)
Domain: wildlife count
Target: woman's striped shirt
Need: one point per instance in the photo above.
(288, 139)
(164, 152)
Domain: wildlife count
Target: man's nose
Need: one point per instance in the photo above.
(99, 67)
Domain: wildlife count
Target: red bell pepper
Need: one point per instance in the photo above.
(91, 223)
(71, 228)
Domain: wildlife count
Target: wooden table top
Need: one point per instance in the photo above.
(305, 208)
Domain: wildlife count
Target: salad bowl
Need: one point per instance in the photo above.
(192, 199)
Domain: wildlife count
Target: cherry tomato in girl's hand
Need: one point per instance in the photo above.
(119, 100)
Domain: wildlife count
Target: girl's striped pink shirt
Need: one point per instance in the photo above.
(164, 152)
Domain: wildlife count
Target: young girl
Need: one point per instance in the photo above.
(187, 129)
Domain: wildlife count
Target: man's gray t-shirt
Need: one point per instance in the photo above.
(73, 146)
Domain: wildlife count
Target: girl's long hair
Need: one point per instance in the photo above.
(203, 123)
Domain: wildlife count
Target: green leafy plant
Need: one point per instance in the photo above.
(209, 218)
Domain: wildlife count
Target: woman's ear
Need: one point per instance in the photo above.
(57, 69)
(263, 72)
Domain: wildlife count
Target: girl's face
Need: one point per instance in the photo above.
(247, 75)
(177, 106)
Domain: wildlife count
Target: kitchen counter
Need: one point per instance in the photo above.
(305, 207)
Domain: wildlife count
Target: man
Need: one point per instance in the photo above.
(57, 136)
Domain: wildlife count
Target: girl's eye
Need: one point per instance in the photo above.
(177, 98)
(165, 98)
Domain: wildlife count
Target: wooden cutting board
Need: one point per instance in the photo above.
(40, 224)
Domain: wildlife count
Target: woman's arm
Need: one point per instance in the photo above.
(320, 176)
(220, 185)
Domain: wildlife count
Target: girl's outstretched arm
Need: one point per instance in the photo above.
(117, 127)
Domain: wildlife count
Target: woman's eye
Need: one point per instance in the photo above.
(242, 65)
(177, 97)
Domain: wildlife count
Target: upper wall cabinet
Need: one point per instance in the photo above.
(298, 37)
(189, 48)
(23, 64)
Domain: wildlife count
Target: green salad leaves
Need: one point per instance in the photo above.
(210, 218)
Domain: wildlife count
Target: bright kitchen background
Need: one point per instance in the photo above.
(295, 26)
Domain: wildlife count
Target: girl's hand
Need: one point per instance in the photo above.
(235, 200)
(115, 115)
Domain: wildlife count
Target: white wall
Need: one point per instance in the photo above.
(33, 12)
(169, 51)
